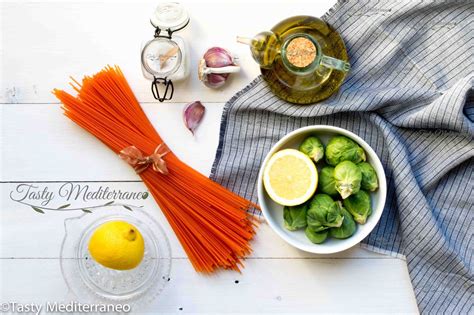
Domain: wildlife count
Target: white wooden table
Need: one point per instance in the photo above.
(42, 44)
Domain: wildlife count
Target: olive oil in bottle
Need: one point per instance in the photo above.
(302, 58)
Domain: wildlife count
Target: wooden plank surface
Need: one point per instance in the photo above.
(42, 43)
(267, 286)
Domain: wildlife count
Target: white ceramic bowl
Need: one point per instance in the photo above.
(273, 212)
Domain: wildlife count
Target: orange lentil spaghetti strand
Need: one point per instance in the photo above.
(211, 223)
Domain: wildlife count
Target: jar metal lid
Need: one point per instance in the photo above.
(170, 16)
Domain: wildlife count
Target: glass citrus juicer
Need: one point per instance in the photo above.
(302, 58)
(90, 282)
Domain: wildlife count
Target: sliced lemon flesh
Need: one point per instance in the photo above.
(290, 177)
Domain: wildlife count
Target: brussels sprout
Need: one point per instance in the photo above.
(295, 217)
(312, 147)
(369, 177)
(341, 148)
(359, 206)
(326, 183)
(323, 213)
(348, 226)
(348, 177)
(315, 237)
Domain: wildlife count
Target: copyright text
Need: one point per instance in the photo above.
(56, 307)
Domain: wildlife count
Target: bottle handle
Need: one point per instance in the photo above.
(333, 63)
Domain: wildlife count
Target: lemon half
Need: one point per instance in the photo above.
(290, 177)
(117, 245)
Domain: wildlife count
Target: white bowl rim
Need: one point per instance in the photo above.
(376, 212)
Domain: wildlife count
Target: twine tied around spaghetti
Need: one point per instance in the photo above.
(135, 158)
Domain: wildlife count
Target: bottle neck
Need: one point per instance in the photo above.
(244, 40)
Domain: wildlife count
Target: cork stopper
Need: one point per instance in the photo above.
(301, 52)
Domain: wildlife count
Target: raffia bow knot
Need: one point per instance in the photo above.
(140, 162)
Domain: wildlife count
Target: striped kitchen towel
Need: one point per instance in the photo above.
(410, 96)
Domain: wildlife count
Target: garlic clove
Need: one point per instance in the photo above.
(193, 114)
(215, 81)
(217, 57)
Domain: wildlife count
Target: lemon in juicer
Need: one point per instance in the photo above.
(117, 245)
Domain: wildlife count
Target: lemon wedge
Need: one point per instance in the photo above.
(117, 245)
(290, 177)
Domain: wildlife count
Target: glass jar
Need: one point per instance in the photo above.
(165, 59)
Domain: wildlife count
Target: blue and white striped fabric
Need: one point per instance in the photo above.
(410, 96)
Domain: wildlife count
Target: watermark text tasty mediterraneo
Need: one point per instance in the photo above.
(55, 307)
(69, 196)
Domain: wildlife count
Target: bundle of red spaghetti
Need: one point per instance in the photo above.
(211, 222)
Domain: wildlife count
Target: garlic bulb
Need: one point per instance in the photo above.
(215, 67)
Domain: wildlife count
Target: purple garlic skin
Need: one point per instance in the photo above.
(193, 114)
(217, 57)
